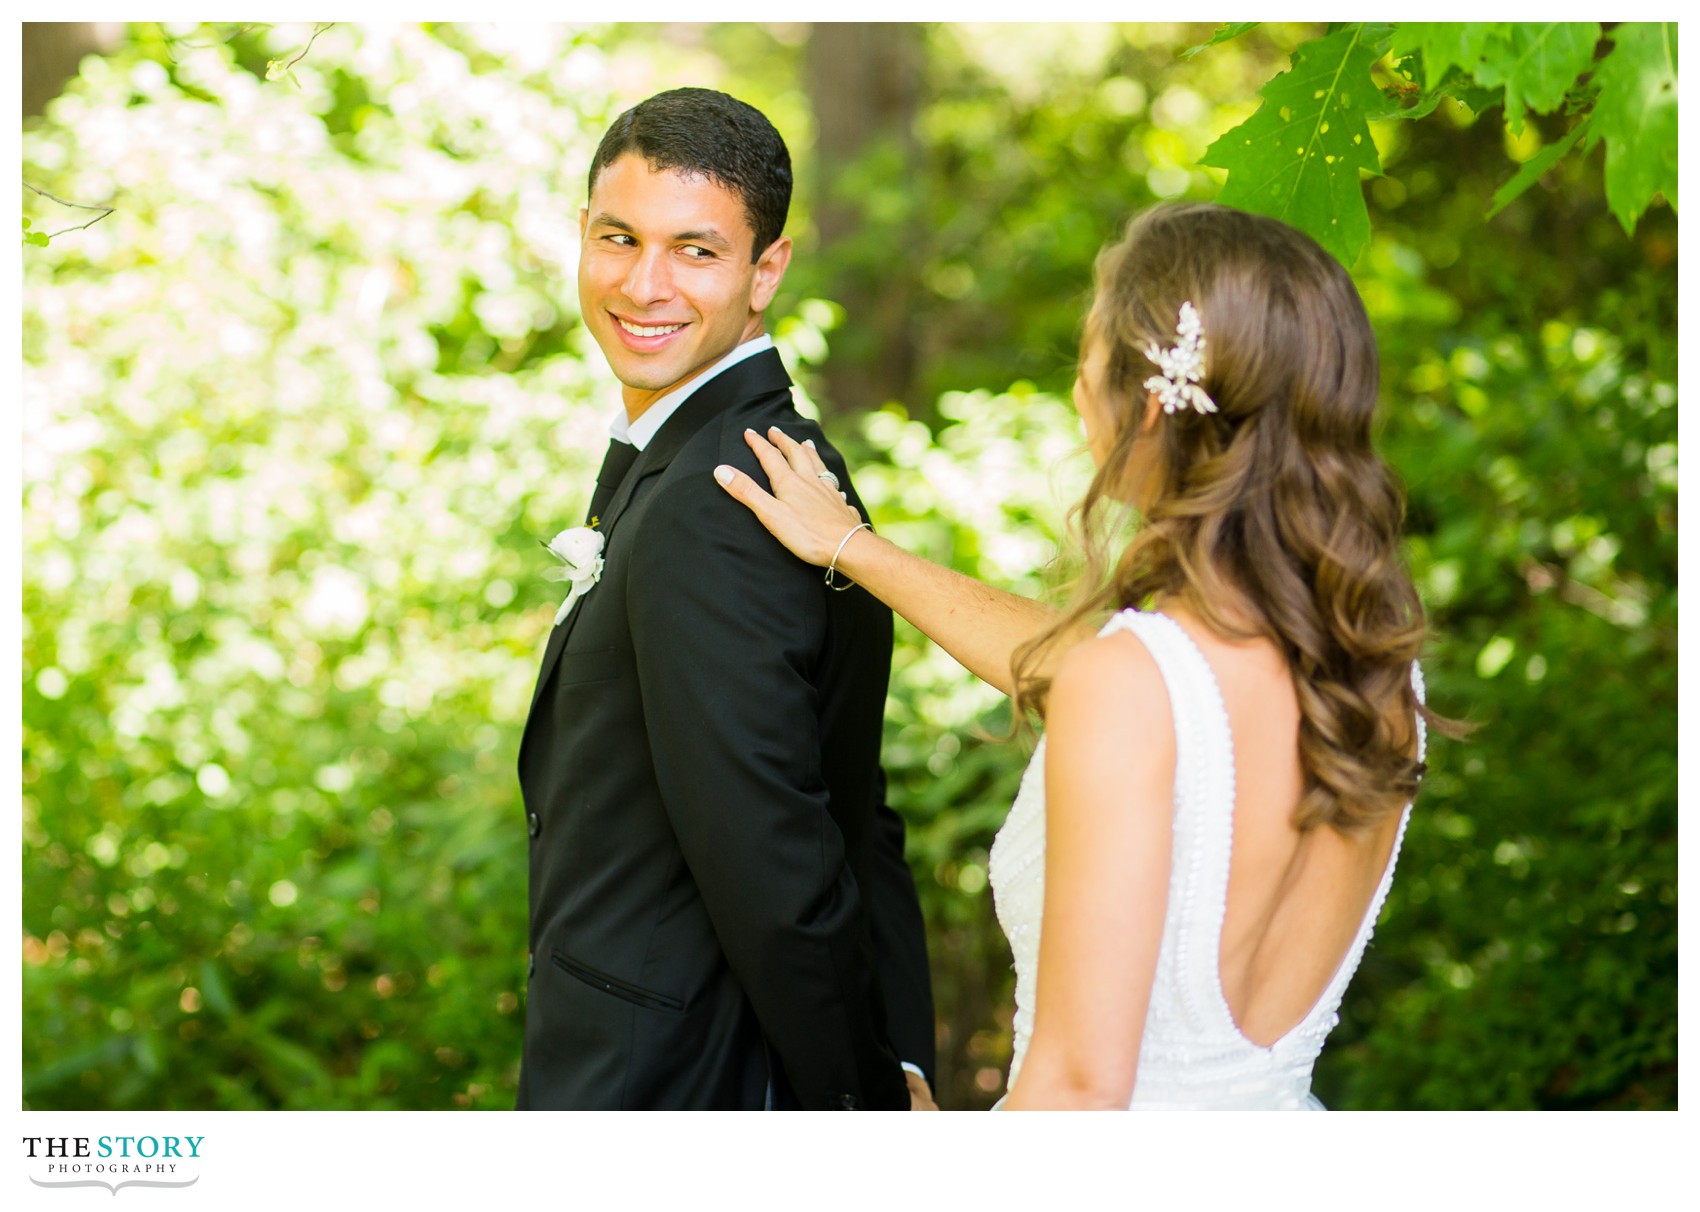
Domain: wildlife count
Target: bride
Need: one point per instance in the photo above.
(1208, 827)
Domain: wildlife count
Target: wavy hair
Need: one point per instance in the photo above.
(1274, 509)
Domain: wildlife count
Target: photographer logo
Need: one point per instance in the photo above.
(113, 1162)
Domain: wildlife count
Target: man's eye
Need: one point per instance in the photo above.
(620, 238)
(696, 252)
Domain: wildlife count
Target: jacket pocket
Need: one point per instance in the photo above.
(619, 988)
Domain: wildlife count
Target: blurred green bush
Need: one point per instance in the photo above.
(295, 417)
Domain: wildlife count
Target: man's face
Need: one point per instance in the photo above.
(665, 281)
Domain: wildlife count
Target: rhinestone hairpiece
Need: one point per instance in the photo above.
(1182, 366)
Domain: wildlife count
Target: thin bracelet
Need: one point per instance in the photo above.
(833, 567)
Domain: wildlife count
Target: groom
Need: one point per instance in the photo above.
(720, 913)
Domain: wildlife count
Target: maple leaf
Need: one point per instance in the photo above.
(1298, 157)
(1534, 168)
(1538, 65)
(1226, 34)
(1447, 44)
(1636, 116)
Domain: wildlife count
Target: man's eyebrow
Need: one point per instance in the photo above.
(604, 219)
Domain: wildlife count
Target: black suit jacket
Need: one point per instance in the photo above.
(720, 913)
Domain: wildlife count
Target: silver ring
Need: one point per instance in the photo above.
(829, 478)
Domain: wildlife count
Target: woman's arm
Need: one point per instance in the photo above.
(978, 625)
(1109, 791)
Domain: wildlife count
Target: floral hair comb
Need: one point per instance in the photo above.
(1182, 366)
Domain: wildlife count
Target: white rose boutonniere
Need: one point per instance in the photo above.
(580, 552)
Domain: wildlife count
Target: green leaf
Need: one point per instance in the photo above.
(1473, 96)
(1298, 157)
(1538, 66)
(1436, 48)
(1460, 88)
(37, 238)
(215, 991)
(96, 1056)
(1636, 117)
(1444, 45)
(285, 1063)
(1535, 167)
(1226, 34)
(26, 223)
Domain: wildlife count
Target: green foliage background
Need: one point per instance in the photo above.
(1300, 156)
(296, 413)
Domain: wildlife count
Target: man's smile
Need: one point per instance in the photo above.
(647, 330)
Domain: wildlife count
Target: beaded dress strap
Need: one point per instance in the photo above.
(1336, 990)
(1203, 808)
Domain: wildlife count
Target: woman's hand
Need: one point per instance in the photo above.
(805, 511)
(978, 625)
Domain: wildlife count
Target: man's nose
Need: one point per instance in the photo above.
(650, 279)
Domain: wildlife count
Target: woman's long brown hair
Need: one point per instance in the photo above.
(1274, 509)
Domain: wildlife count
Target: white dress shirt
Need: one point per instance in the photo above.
(639, 432)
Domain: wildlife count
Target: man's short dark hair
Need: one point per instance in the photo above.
(697, 131)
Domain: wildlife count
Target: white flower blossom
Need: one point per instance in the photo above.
(1182, 366)
(579, 549)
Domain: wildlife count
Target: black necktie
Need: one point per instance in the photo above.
(615, 464)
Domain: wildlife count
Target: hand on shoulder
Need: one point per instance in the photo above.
(806, 510)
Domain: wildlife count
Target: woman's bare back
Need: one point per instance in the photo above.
(1295, 900)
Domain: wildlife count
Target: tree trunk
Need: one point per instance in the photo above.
(52, 52)
(864, 80)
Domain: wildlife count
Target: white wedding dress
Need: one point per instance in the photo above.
(1192, 1055)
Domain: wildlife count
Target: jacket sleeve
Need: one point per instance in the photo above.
(899, 931)
(726, 627)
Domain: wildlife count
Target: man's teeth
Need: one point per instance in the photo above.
(656, 330)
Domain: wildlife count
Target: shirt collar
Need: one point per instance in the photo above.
(638, 433)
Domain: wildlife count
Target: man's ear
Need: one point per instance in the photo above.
(583, 221)
(770, 271)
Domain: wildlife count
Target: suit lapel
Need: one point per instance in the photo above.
(616, 469)
(754, 376)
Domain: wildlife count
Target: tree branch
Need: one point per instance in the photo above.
(275, 68)
(104, 210)
(172, 43)
(317, 30)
